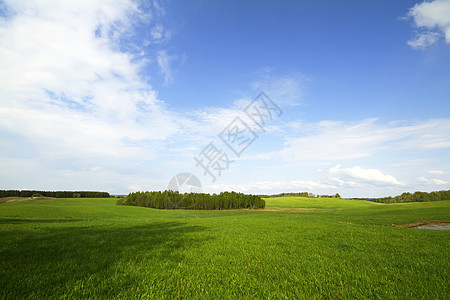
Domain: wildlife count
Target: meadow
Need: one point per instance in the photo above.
(304, 248)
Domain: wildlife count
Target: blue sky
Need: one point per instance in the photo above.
(122, 95)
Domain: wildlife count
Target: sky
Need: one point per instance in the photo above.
(261, 97)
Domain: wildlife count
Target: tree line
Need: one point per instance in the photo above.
(174, 200)
(301, 194)
(416, 197)
(54, 194)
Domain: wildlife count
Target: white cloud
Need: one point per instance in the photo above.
(164, 62)
(438, 172)
(344, 183)
(159, 34)
(433, 181)
(434, 18)
(338, 140)
(211, 121)
(416, 163)
(70, 84)
(423, 40)
(160, 10)
(54, 58)
(284, 90)
(373, 176)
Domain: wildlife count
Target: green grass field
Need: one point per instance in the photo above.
(295, 248)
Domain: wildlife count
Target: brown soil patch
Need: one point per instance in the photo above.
(22, 199)
(421, 223)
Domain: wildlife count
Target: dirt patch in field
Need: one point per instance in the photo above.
(434, 225)
(22, 199)
(289, 209)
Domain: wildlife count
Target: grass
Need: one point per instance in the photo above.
(296, 248)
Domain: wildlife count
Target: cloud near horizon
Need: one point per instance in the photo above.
(372, 176)
(339, 140)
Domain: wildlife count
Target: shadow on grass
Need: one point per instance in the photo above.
(33, 220)
(51, 260)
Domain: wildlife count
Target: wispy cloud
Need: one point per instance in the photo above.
(75, 82)
(443, 178)
(70, 87)
(164, 62)
(433, 20)
(287, 89)
(372, 176)
(160, 34)
(423, 40)
(438, 172)
(338, 140)
(433, 181)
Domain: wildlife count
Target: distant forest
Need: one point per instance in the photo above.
(301, 194)
(416, 197)
(175, 200)
(54, 194)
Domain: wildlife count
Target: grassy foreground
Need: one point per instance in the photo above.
(295, 248)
